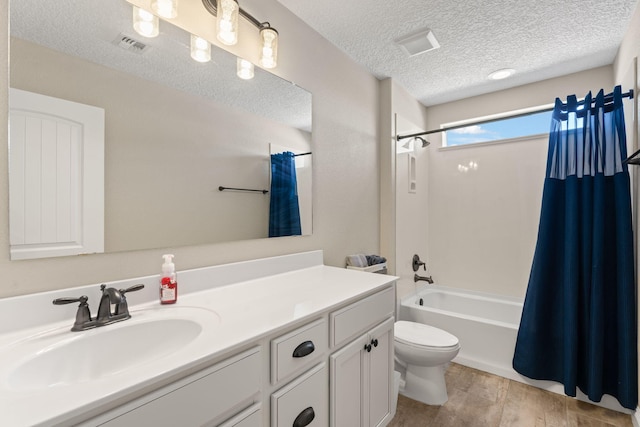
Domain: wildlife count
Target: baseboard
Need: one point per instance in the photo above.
(635, 418)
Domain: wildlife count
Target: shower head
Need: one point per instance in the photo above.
(424, 141)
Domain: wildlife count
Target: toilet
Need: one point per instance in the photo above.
(423, 353)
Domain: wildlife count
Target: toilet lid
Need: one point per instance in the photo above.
(413, 333)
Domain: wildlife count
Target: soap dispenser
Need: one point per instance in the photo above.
(168, 282)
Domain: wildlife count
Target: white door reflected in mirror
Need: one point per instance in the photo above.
(56, 178)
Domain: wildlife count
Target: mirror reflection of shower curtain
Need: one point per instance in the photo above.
(284, 210)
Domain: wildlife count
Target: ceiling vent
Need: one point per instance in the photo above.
(418, 42)
(130, 44)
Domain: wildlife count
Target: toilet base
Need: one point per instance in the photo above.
(425, 384)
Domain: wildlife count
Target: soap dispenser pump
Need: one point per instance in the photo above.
(168, 282)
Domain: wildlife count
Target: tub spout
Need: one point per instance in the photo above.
(417, 278)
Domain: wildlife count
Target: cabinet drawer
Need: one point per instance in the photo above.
(298, 349)
(304, 402)
(354, 319)
(200, 399)
(250, 417)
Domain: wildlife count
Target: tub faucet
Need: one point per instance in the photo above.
(427, 279)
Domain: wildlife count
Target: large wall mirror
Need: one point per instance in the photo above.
(175, 130)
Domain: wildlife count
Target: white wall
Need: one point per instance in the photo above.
(345, 180)
(483, 224)
(403, 215)
(626, 68)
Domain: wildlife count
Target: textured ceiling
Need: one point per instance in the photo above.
(87, 29)
(540, 39)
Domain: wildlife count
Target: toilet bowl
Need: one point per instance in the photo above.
(424, 351)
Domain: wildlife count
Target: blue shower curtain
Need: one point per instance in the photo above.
(284, 211)
(579, 323)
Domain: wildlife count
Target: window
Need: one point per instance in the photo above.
(498, 129)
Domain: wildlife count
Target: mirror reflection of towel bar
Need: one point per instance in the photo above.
(221, 188)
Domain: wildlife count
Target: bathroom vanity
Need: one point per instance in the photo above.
(282, 341)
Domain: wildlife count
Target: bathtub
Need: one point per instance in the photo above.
(486, 326)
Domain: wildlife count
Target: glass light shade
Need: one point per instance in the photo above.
(227, 21)
(245, 69)
(269, 54)
(145, 23)
(165, 8)
(200, 49)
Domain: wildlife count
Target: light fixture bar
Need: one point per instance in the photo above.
(268, 34)
(211, 7)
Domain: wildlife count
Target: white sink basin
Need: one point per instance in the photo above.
(62, 358)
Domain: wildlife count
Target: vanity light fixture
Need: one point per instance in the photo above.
(165, 8)
(245, 69)
(200, 49)
(227, 21)
(145, 23)
(227, 12)
(269, 53)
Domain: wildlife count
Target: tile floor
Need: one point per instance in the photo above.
(479, 399)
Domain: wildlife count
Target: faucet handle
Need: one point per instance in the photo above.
(416, 263)
(60, 301)
(133, 288)
(122, 308)
(83, 315)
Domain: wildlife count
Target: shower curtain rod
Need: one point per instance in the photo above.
(512, 116)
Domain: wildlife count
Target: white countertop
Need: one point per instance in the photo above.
(242, 313)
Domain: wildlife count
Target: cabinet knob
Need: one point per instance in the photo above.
(367, 347)
(304, 418)
(304, 349)
(374, 342)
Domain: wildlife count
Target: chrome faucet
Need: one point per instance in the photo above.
(105, 316)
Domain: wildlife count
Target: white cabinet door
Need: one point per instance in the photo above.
(380, 374)
(347, 384)
(361, 376)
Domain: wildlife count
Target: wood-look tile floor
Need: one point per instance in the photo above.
(479, 399)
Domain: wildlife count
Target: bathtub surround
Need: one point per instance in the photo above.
(578, 323)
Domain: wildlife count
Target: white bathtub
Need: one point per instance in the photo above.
(486, 326)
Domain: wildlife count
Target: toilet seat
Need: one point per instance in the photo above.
(419, 335)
